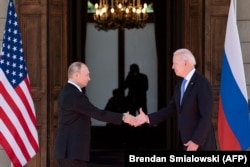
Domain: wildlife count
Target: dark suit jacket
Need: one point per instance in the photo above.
(74, 123)
(194, 114)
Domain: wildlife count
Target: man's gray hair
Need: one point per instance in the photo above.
(74, 67)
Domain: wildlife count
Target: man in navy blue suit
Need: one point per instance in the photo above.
(72, 143)
(195, 109)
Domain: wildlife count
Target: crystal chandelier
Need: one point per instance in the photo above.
(120, 14)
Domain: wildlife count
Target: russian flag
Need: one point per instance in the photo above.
(233, 115)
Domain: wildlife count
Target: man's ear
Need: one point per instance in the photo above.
(185, 63)
(76, 75)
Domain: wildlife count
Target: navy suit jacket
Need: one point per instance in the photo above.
(74, 123)
(194, 114)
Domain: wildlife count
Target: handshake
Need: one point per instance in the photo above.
(135, 120)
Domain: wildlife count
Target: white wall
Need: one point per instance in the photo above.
(102, 60)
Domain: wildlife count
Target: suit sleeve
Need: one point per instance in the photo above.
(163, 114)
(82, 105)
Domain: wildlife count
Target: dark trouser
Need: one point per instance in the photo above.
(71, 163)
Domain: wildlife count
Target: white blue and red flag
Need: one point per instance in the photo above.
(233, 115)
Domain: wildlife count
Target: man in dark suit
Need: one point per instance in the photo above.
(194, 109)
(72, 143)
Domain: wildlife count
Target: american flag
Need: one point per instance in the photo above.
(18, 132)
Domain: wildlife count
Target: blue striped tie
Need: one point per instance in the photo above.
(182, 88)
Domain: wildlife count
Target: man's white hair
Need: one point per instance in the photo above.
(187, 55)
